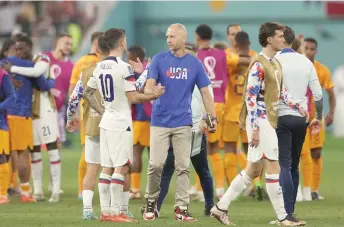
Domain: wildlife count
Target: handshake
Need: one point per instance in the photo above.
(157, 91)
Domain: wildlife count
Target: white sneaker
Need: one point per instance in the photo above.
(39, 197)
(307, 194)
(220, 215)
(299, 197)
(192, 191)
(54, 198)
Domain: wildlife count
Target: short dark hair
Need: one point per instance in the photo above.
(231, 25)
(289, 35)
(113, 36)
(204, 31)
(102, 44)
(220, 45)
(242, 38)
(138, 51)
(311, 40)
(267, 30)
(296, 44)
(62, 35)
(17, 36)
(5, 47)
(191, 46)
(25, 39)
(95, 36)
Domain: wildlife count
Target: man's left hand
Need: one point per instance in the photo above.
(329, 119)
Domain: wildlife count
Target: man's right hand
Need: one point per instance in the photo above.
(158, 90)
(315, 126)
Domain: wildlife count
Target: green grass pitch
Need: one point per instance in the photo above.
(245, 212)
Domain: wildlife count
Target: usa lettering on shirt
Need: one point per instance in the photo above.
(177, 73)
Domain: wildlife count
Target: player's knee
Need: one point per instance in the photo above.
(52, 146)
(54, 155)
(230, 147)
(156, 166)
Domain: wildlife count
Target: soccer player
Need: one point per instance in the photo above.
(292, 127)
(87, 60)
(8, 49)
(91, 120)
(61, 69)
(214, 62)
(7, 99)
(171, 120)
(115, 80)
(45, 129)
(141, 127)
(238, 59)
(198, 152)
(317, 140)
(20, 117)
(263, 90)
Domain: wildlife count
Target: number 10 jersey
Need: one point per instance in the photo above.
(114, 77)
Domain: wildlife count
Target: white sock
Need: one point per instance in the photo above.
(25, 189)
(104, 192)
(274, 191)
(238, 185)
(55, 170)
(125, 202)
(87, 197)
(307, 193)
(37, 172)
(116, 189)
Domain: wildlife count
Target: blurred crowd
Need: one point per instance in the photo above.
(42, 20)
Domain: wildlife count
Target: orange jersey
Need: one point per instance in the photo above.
(324, 76)
(83, 62)
(235, 88)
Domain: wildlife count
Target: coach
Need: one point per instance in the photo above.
(171, 119)
(298, 74)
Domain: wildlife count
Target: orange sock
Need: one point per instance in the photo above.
(317, 168)
(4, 179)
(306, 168)
(9, 173)
(82, 170)
(198, 183)
(217, 165)
(242, 161)
(14, 179)
(135, 182)
(25, 189)
(230, 164)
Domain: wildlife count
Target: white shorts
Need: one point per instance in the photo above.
(116, 148)
(92, 149)
(268, 143)
(62, 124)
(45, 129)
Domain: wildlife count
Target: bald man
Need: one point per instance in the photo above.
(171, 119)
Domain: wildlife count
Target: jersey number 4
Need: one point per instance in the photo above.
(107, 87)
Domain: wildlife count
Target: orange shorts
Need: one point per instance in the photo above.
(142, 133)
(20, 131)
(317, 140)
(232, 133)
(5, 142)
(217, 136)
(82, 133)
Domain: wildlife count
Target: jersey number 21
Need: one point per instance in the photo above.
(107, 87)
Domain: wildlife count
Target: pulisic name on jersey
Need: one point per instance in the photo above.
(104, 66)
(177, 73)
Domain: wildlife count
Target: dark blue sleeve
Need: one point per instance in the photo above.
(202, 79)
(43, 83)
(153, 70)
(10, 96)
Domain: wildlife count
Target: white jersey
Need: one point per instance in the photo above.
(114, 77)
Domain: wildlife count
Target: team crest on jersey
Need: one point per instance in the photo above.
(177, 73)
(55, 70)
